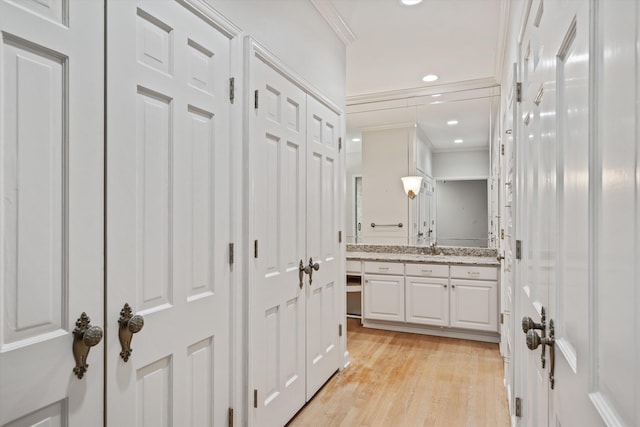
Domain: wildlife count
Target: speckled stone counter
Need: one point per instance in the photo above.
(418, 254)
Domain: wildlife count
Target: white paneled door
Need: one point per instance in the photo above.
(167, 214)
(578, 170)
(294, 208)
(322, 225)
(507, 236)
(278, 311)
(533, 286)
(51, 167)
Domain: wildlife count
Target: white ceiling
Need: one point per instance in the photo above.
(396, 45)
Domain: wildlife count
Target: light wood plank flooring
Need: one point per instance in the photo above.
(398, 379)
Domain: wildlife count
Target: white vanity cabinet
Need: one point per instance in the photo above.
(444, 298)
(384, 291)
(474, 298)
(427, 294)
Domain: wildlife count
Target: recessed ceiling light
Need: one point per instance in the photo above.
(410, 2)
(452, 122)
(430, 78)
(435, 95)
(356, 140)
(458, 141)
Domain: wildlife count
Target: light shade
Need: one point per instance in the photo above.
(412, 185)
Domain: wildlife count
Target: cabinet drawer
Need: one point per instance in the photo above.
(354, 267)
(427, 270)
(474, 272)
(384, 268)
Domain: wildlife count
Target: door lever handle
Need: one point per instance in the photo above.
(129, 325)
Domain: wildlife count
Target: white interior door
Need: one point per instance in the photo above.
(568, 28)
(278, 306)
(581, 111)
(532, 288)
(51, 145)
(322, 222)
(507, 226)
(598, 328)
(167, 214)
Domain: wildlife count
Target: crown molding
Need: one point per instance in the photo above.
(335, 21)
(204, 10)
(483, 83)
(401, 125)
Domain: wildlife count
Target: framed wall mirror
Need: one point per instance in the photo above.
(445, 137)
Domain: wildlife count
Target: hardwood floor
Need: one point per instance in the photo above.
(398, 379)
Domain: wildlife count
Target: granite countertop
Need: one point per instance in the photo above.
(422, 259)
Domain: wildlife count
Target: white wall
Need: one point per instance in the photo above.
(461, 164)
(424, 155)
(462, 213)
(385, 159)
(353, 168)
(298, 35)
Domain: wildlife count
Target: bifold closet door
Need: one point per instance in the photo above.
(278, 303)
(167, 215)
(51, 216)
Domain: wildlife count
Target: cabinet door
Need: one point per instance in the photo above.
(474, 305)
(384, 297)
(427, 301)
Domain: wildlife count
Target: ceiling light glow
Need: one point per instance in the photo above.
(435, 95)
(411, 2)
(430, 78)
(452, 122)
(458, 141)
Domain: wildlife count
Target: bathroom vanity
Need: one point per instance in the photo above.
(453, 293)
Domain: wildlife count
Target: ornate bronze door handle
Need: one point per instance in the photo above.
(85, 336)
(309, 269)
(129, 325)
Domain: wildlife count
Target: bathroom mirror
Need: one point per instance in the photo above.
(443, 136)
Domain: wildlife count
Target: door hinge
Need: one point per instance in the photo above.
(340, 330)
(232, 89)
(255, 398)
(255, 249)
(519, 92)
(502, 233)
(255, 99)
(231, 259)
(502, 149)
(518, 407)
(518, 249)
(230, 417)
(339, 236)
(340, 144)
(501, 318)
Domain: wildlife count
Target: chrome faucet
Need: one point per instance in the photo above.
(433, 248)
